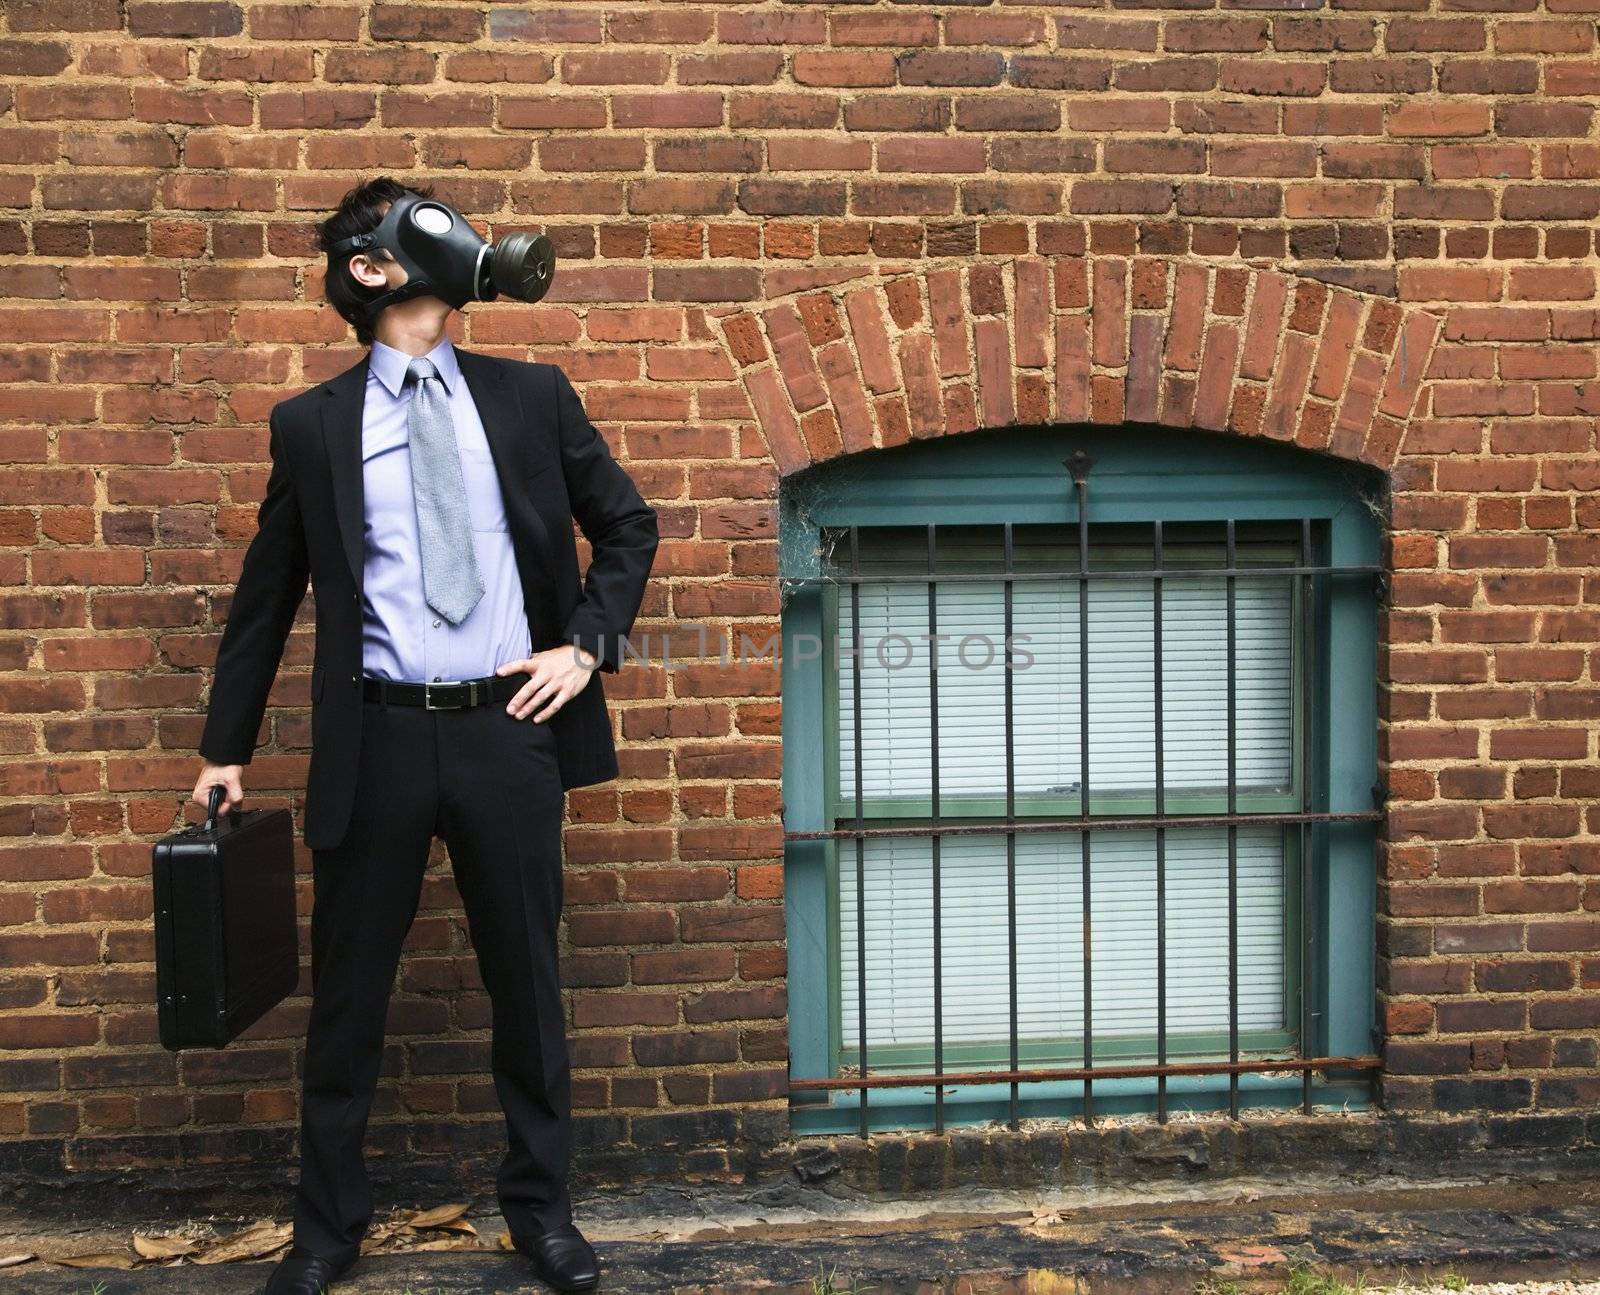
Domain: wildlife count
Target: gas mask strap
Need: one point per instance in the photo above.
(393, 297)
(355, 243)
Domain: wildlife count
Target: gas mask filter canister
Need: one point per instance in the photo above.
(443, 257)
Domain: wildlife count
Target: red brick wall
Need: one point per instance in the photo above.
(787, 231)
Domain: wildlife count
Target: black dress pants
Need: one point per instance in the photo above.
(489, 785)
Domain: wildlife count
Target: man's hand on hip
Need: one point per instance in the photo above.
(558, 674)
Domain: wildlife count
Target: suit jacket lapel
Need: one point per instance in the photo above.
(341, 430)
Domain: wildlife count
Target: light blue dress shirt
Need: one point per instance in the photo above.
(402, 637)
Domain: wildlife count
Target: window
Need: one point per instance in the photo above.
(985, 887)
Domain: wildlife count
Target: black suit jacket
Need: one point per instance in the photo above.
(553, 467)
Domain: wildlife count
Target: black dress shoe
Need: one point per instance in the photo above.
(302, 1273)
(561, 1258)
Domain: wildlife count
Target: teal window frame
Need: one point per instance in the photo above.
(1139, 476)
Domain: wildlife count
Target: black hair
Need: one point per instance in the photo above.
(359, 212)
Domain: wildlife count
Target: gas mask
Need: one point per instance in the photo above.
(443, 257)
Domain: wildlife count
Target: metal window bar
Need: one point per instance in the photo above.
(1104, 573)
(1159, 684)
(861, 840)
(1233, 826)
(1079, 466)
(1308, 933)
(1014, 1098)
(1307, 573)
(936, 841)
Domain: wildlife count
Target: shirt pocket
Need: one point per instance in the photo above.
(484, 502)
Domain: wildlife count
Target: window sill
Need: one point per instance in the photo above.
(900, 1109)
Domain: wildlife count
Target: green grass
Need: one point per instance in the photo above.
(824, 1284)
(1450, 1281)
(1303, 1280)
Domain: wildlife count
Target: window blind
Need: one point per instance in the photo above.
(894, 654)
(892, 657)
(976, 980)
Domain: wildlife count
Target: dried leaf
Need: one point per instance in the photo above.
(1045, 1219)
(11, 1261)
(168, 1247)
(260, 1225)
(438, 1217)
(504, 1240)
(255, 1242)
(117, 1260)
(446, 1243)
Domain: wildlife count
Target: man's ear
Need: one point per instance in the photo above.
(367, 272)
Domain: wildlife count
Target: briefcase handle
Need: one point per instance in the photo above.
(214, 797)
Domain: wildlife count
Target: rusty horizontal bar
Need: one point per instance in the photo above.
(1264, 1066)
(1079, 824)
(1065, 575)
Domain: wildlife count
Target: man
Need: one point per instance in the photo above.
(428, 494)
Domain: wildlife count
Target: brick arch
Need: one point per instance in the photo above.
(944, 348)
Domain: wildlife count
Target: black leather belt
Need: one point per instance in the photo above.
(456, 694)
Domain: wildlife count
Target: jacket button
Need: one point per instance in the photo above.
(352, 678)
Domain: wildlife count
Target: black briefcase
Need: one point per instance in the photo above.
(227, 942)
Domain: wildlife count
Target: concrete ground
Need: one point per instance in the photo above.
(1545, 1287)
(1222, 1238)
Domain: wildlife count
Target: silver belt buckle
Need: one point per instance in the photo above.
(427, 696)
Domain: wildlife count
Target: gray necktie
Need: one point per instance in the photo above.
(450, 576)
